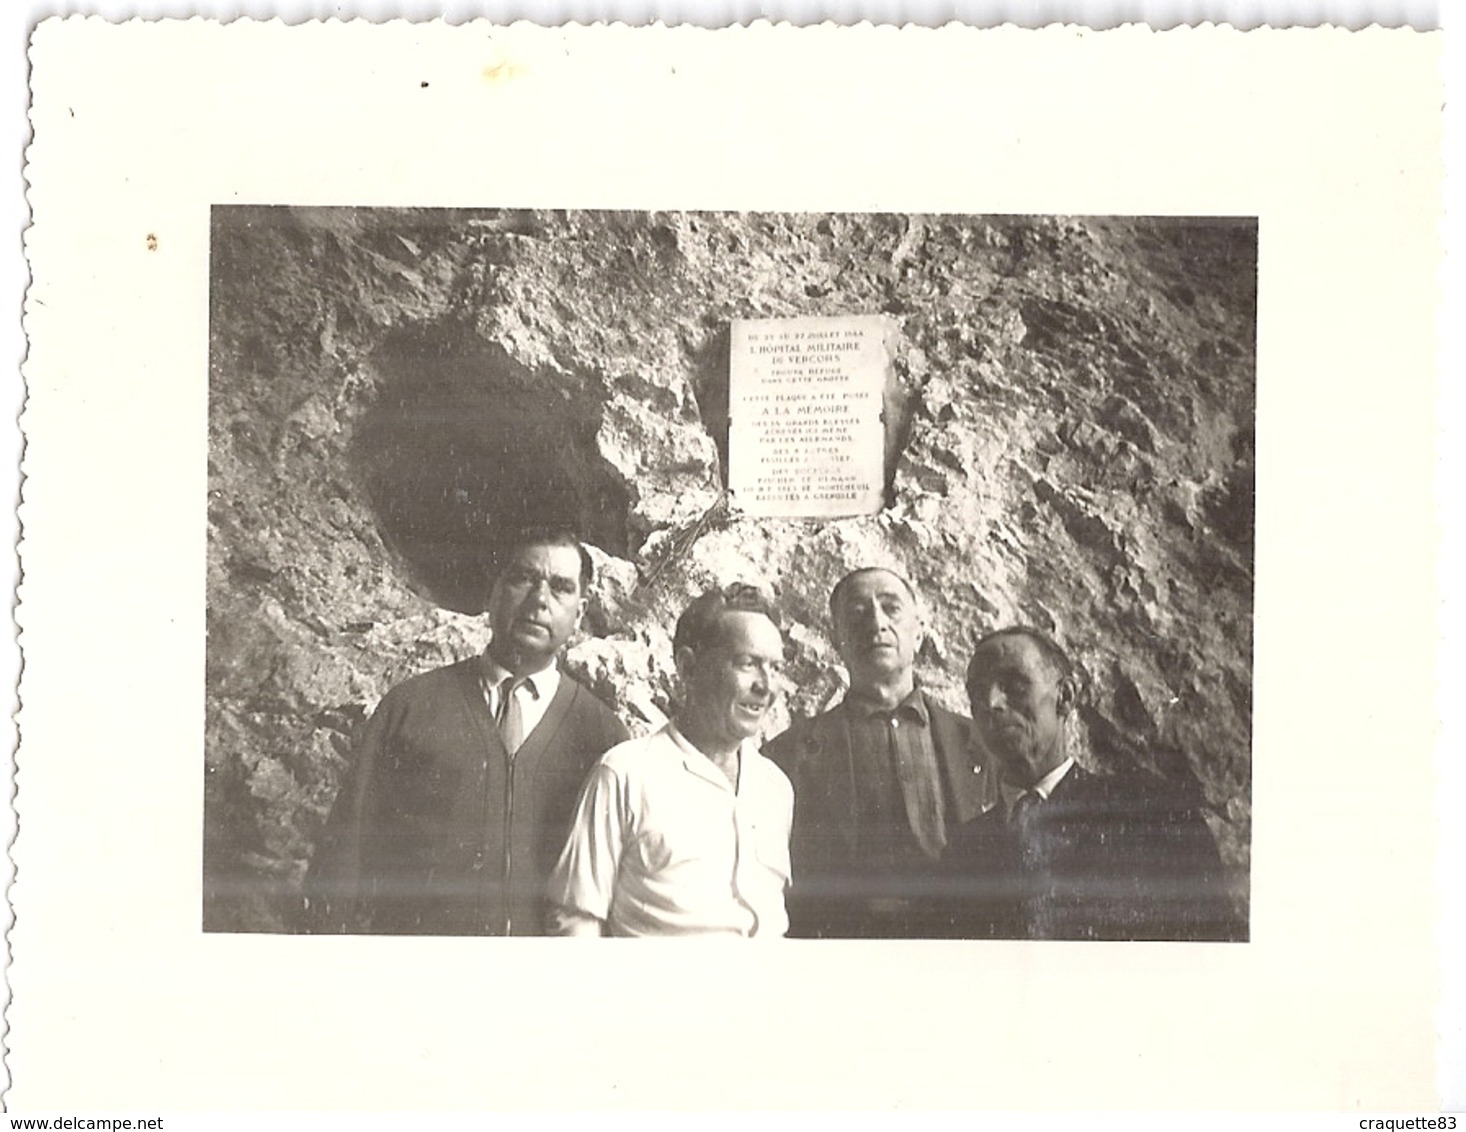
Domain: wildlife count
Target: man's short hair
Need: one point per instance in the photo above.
(843, 584)
(1054, 656)
(524, 537)
(701, 622)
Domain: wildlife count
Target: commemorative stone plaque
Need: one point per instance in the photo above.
(806, 436)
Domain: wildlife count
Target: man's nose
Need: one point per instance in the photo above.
(766, 678)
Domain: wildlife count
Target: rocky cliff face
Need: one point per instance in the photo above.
(391, 387)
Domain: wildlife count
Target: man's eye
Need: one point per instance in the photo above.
(564, 588)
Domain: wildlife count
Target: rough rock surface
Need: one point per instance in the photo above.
(391, 387)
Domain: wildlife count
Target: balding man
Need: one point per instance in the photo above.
(882, 782)
(1094, 857)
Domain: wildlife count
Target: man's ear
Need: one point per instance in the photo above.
(684, 659)
(836, 635)
(1064, 697)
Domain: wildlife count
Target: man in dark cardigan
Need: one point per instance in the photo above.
(1120, 857)
(882, 782)
(464, 780)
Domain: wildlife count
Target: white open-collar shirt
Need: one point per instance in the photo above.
(663, 844)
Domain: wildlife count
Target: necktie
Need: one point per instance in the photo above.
(1024, 820)
(919, 792)
(511, 715)
(1024, 810)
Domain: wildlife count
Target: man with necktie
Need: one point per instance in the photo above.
(464, 779)
(1122, 856)
(882, 783)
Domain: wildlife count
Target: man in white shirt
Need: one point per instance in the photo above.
(686, 831)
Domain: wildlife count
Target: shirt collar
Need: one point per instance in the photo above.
(913, 706)
(543, 683)
(1043, 787)
(702, 766)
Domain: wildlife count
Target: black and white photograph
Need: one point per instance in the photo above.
(677, 573)
(956, 505)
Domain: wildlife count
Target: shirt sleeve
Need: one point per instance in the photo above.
(584, 880)
(787, 813)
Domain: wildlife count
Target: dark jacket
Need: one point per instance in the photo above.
(835, 893)
(436, 831)
(1117, 857)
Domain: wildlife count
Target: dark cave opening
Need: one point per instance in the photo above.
(464, 445)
